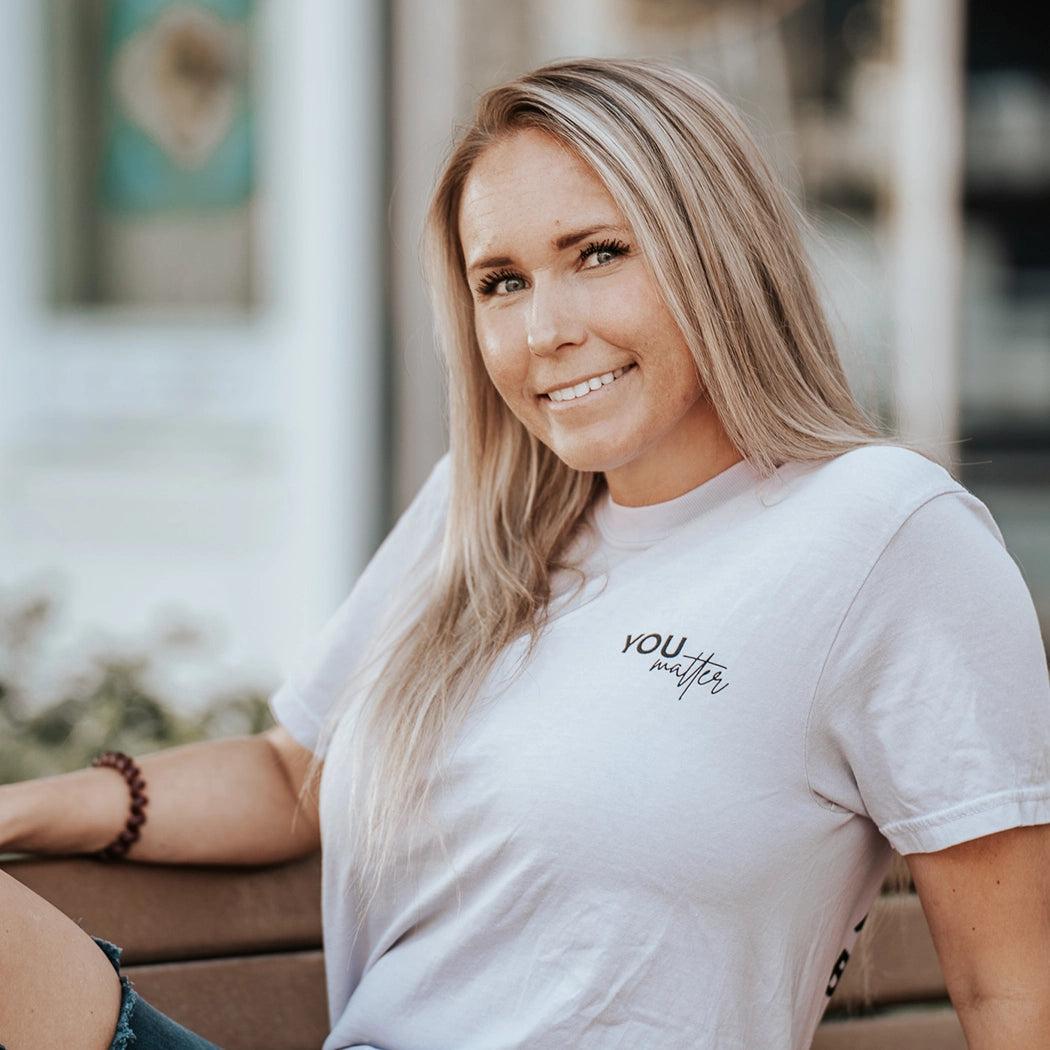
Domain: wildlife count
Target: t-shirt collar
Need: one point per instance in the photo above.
(642, 526)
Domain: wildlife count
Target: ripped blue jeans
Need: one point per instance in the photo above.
(141, 1026)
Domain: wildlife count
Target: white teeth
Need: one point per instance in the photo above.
(570, 393)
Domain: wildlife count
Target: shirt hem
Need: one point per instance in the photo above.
(972, 820)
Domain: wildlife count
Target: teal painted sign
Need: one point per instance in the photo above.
(179, 112)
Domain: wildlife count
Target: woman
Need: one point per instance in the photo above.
(670, 651)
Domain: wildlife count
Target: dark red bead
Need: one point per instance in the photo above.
(131, 773)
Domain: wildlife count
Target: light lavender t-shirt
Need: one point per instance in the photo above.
(664, 828)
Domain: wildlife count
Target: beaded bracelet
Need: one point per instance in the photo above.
(126, 767)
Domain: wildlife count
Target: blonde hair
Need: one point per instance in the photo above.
(720, 238)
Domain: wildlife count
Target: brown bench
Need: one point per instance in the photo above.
(232, 953)
(235, 954)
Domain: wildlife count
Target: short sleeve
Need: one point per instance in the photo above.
(932, 715)
(304, 701)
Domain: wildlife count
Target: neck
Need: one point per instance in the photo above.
(699, 456)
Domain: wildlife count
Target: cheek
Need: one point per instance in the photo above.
(505, 358)
(631, 313)
(680, 385)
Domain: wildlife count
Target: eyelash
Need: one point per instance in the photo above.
(490, 282)
(597, 247)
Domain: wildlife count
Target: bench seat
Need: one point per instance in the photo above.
(235, 954)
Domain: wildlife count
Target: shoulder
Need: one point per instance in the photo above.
(888, 475)
(433, 494)
(937, 655)
(419, 528)
(422, 521)
(836, 521)
(318, 681)
(872, 492)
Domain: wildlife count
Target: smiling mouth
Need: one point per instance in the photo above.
(586, 386)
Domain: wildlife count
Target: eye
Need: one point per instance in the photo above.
(601, 253)
(502, 282)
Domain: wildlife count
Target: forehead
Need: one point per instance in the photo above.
(527, 178)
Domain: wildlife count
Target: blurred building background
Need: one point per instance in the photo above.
(218, 381)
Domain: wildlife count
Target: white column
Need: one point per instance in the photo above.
(22, 183)
(427, 84)
(324, 98)
(926, 222)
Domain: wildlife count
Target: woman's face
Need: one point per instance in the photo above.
(572, 331)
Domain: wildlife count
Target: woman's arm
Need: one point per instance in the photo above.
(237, 801)
(988, 906)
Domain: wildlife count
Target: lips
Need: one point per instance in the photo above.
(586, 386)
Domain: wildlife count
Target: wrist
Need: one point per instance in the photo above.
(138, 800)
(73, 813)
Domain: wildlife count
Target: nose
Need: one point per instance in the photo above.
(553, 319)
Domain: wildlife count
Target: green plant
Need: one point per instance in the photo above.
(105, 702)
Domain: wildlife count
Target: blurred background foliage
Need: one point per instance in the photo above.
(108, 699)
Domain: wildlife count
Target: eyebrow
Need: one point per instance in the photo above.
(566, 240)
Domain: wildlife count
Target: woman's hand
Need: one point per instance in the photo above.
(238, 801)
(988, 906)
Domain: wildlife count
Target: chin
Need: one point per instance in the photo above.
(585, 462)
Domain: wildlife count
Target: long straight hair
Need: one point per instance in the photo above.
(720, 238)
